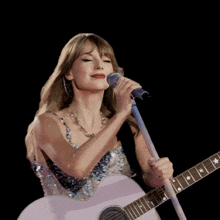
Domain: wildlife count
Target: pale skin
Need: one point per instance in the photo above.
(49, 132)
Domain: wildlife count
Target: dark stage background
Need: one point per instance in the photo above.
(176, 64)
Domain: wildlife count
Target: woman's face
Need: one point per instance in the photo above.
(89, 71)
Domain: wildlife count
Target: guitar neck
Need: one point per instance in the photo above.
(158, 196)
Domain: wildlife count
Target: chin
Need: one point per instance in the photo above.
(92, 86)
(99, 86)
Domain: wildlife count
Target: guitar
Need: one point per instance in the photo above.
(118, 197)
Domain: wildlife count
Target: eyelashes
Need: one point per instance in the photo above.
(88, 60)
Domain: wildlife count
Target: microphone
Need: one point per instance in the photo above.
(112, 80)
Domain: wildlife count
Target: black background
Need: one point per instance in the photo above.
(175, 60)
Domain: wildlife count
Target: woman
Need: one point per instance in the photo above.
(73, 140)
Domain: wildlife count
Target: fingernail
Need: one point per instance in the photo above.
(152, 161)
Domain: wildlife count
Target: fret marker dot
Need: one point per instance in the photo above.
(201, 170)
(164, 198)
(174, 181)
(215, 161)
(188, 177)
(179, 189)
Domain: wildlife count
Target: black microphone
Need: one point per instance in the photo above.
(112, 80)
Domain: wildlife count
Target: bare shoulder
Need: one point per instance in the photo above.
(47, 125)
(44, 119)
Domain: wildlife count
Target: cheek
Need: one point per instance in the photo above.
(81, 76)
(111, 70)
(80, 80)
(80, 68)
(80, 71)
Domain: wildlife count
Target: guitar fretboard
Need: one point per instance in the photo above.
(158, 196)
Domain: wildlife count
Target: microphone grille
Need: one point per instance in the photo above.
(113, 78)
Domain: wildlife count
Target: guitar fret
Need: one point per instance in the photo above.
(134, 210)
(174, 186)
(137, 208)
(177, 185)
(209, 165)
(202, 170)
(212, 163)
(131, 211)
(150, 200)
(152, 203)
(140, 205)
(144, 204)
(182, 181)
(216, 160)
(189, 178)
(198, 171)
(205, 167)
(160, 194)
(195, 174)
(185, 179)
(164, 193)
(156, 196)
(126, 209)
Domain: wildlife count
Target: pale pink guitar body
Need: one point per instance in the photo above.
(114, 191)
(117, 198)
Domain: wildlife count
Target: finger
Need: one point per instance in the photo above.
(151, 161)
(121, 83)
(131, 88)
(124, 83)
(163, 161)
(165, 174)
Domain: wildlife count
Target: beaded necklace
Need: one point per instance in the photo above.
(77, 122)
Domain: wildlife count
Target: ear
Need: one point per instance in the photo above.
(69, 76)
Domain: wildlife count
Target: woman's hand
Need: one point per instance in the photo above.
(123, 94)
(162, 168)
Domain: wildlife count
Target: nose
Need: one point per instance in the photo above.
(99, 65)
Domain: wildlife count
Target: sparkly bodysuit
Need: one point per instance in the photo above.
(56, 182)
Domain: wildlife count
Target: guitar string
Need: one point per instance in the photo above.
(117, 216)
(158, 197)
(150, 197)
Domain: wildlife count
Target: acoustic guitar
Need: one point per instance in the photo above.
(117, 198)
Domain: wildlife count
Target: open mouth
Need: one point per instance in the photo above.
(98, 76)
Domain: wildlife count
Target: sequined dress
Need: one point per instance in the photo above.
(56, 182)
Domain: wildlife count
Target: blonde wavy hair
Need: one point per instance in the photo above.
(54, 95)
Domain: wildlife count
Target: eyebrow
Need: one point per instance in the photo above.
(89, 53)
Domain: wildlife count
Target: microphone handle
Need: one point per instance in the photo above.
(167, 184)
(112, 80)
(138, 93)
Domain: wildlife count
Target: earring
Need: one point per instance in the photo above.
(64, 84)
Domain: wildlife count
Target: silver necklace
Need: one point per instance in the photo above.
(77, 122)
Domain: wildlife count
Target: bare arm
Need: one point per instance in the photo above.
(77, 163)
(153, 172)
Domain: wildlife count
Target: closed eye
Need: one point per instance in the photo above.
(86, 60)
(107, 61)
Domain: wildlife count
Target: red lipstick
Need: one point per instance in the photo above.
(98, 76)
